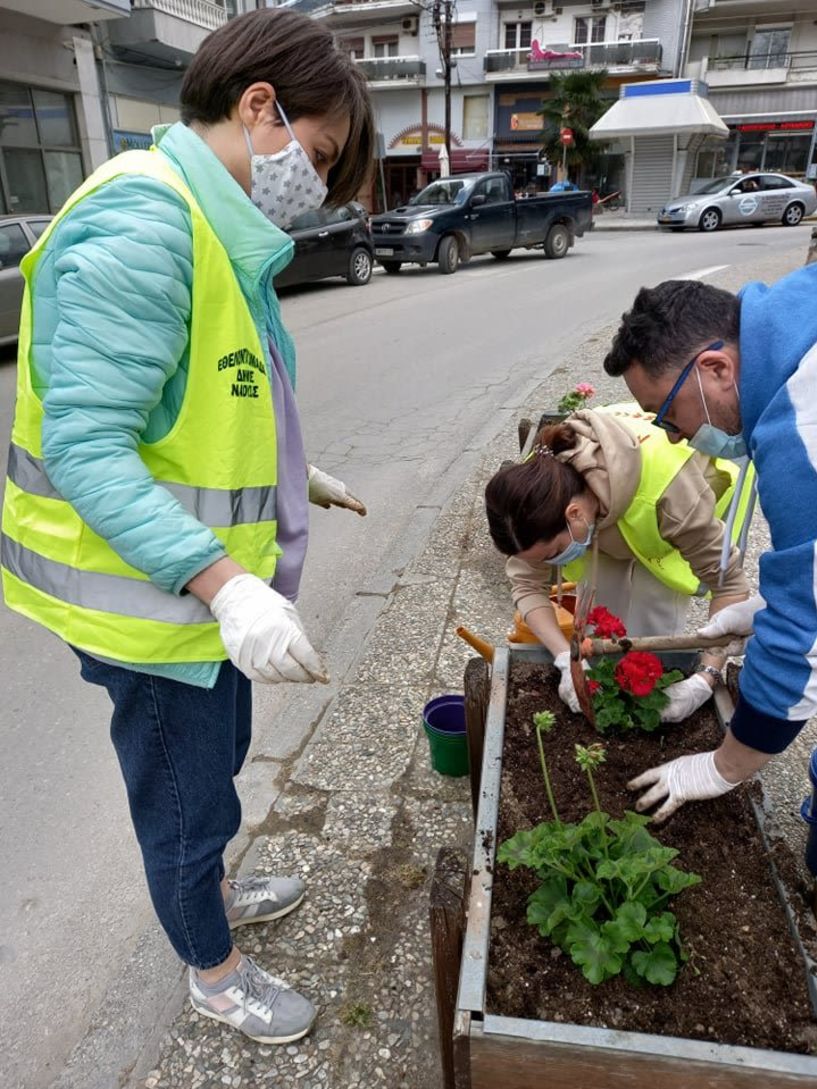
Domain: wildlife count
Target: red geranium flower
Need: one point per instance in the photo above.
(605, 625)
(594, 687)
(638, 672)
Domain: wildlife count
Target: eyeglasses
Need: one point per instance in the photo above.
(659, 420)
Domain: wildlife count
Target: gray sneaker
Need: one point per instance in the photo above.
(251, 1000)
(260, 899)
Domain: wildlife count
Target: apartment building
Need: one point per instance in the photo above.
(759, 60)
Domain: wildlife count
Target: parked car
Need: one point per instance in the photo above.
(17, 235)
(456, 217)
(330, 242)
(741, 198)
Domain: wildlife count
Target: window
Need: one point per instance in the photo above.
(40, 159)
(37, 226)
(475, 117)
(769, 48)
(590, 30)
(386, 46)
(13, 245)
(355, 47)
(518, 35)
(463, 39)
(493, 189)
(772, 181)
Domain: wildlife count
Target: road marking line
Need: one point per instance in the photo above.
(699, 273)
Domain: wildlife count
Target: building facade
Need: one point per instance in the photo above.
(759, 59)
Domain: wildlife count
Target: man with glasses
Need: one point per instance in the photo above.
(737, 376)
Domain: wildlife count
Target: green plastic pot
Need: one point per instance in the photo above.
(444, 724)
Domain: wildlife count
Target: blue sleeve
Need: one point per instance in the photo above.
(123, 272)
(778, 683)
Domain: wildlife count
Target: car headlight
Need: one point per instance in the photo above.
(417, 226)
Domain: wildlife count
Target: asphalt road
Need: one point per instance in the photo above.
(399, 383)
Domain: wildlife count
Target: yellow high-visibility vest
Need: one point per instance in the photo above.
(218, 460)
(661, 461)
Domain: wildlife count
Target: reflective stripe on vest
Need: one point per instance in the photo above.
(214, 507)
(661, 461)
(219, 460)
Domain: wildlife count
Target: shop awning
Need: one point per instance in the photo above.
(659, 108)
(463, 160)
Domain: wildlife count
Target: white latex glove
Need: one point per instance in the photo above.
(567, 691)
(262, 633)
(687, 779)
(685, 697)
(325, 491)
(737, 619)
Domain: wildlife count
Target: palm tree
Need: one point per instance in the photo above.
(576, 102)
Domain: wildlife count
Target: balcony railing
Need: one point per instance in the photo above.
(644, 53)
(392, 68)
(801, 61)
(203, 13)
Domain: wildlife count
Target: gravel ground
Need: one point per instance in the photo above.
(362, 815)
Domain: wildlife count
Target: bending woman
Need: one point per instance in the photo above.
(609, 479)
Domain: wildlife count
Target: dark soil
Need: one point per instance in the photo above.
(745, 981)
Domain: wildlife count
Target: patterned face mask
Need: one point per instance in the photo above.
(286, 184)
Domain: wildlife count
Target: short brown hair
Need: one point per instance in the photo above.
(526, 503)
(311, 76)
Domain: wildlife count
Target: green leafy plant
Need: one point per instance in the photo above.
(628, 693)
(604, 888)
(576, 398)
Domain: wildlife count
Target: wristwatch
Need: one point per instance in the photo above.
(712, 671)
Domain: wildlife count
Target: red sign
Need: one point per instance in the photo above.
(566, 136)
(777, 126)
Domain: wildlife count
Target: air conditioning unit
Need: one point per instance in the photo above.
(540, 7)
(410, 25)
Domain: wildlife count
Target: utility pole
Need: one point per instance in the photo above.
(441, 14)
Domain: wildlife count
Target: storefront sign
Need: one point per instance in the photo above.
(777, 126)
(411, 138)
(526, 122)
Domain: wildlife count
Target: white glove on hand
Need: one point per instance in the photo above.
(567, 691)
(737, 619)
(325, 491)
(685, 697)
(262, 633)
(687, 779)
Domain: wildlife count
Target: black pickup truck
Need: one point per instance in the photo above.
(456, 217)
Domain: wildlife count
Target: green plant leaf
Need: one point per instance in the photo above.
(582, 930)
(543, 902)
(586, 898)
(661, 928)
(673, 880)
(519, 850)
(597, 958)
(659, 965)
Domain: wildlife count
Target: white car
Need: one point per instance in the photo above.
(741, 198)
(17, 235)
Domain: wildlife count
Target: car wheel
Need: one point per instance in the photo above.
(501, 255)
(448, 255)
(359, 271)
(392, 267)
(793, 215)
(557, 242)
(710, 220)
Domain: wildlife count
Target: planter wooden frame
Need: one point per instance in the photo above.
(494, 1052)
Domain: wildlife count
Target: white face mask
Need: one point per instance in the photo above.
(286, 184)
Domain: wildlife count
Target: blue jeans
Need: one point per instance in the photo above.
(179, 747)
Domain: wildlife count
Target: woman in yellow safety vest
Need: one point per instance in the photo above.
(155, 513)
(609, 481)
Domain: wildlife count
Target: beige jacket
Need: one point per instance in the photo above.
(609, 459)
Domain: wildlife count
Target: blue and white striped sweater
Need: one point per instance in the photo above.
(778, 400)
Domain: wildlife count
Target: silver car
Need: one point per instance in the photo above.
(17, 235)
(741, 198)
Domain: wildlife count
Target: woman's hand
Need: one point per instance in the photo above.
(326, 491)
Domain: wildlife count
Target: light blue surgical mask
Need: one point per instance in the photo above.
(576, 549)
(714, 441)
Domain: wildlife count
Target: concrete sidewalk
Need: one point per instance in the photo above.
(362, 816)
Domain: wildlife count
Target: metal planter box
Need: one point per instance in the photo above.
(494, 1052)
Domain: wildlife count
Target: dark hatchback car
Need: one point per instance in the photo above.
(330, 242)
